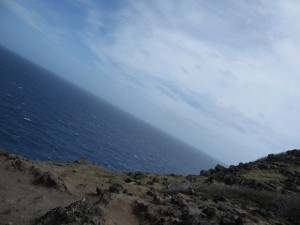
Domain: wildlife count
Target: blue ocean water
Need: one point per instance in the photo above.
(44, 117)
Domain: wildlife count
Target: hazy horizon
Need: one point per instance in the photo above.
(221, 76)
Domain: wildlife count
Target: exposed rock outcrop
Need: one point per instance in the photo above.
(266, 191)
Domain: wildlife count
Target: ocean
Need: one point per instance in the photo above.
(44, 117)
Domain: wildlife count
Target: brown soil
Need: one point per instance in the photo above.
(262, 192)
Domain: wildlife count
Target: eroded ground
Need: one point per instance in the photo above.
(262, 192)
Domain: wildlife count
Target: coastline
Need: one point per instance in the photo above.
(39, 192)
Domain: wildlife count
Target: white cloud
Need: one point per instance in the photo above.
(245, 60)
(226, 70)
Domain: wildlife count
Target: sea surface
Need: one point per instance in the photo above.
(46, 118)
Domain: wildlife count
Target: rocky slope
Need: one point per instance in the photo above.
(266, 191)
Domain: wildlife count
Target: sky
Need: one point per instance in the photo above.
(223, 76)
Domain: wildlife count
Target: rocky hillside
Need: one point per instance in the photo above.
(266, 191)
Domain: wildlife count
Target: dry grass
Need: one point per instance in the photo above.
(287, 206)
(264, 175)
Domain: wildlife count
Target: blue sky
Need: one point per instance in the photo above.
(223, 76)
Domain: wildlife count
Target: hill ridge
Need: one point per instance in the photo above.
(265, 191)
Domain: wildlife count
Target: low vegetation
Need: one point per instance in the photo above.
(266, 191)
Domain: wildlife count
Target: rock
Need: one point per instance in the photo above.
(287, 172)
(209, 212)
(295, 152)
(128, 180)
(81, 160)
(203, 198)
(219, 198)
(157, 199)
(3, 152)
(203, 173)
(35, 171)
(191, 178)
(241, 165)
(104, 197)
(230, 179)
(191, 191)
(211, 171)
(13, 156)
(155, 180)
(220, 175)
(232, 168)
(140, 207)
(179, 201)
(98, 191)
(297, 174)
(150, 193)
(187, 217)
(175, 220)
(139, 175)
(50, 180)
(232, 220)
(219, 167)
(19, 165)
(150, 182)
(184, 200)
(264, 166)
(209, 180)
(173, 212)
(116, 188)
(138, 183)
(271, 156)
(80, 212)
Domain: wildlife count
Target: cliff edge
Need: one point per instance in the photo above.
(266, 191)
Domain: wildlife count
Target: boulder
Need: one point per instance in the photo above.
(140, 207)
(50, 180)
(139, 175)
(219, 167)
(80, 212)
(19, 165)
(116, 188)
(203, 173)
(209, 212)
(104, 197)
(232, 220)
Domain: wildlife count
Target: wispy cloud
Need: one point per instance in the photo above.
(222, 75)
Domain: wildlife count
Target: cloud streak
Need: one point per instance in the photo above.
(222, 76)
